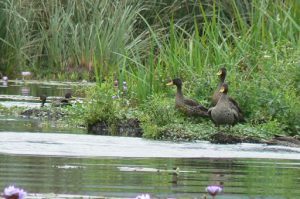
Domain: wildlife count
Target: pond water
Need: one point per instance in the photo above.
(60, 162)
(110, 177)
(35, 88)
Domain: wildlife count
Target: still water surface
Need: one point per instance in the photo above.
(241, 178)
(35, 88)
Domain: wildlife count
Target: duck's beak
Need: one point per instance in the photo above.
(219, 73)
(222, 90)
(170, 83)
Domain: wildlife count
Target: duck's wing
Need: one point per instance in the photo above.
(209, 111)
(197, 111)
(235, 106)
(190, 102)
(202, 108)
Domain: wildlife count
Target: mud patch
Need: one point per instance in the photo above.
(227, 138)
(128, 127)
(290, 141)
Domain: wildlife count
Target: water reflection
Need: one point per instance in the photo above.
(25, 91)
(14, 124)
(4, 84)
(241, 178)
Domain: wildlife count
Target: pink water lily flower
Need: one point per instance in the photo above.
(213, 190)
(13, 192)
(143, 196)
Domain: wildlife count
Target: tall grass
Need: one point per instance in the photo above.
(260, 49)
(67, 36)
(147, 42)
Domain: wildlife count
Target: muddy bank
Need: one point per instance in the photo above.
(131, 128)
(128, 127)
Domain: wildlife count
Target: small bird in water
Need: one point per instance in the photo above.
(187, 106)
(226, 111)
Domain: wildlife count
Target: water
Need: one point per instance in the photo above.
(241, 178)
(19, 124)
(59, 162)
(35, 88)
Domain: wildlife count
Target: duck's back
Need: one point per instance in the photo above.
(222, 113)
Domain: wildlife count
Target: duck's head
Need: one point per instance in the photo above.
(222, 73)
(68, 95)
(177, 82)
(224, 88)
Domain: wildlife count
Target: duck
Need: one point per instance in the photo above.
(43, 99)
(60, 102)
(67, 98)
(187, 106)
(222, 76)
(227, 110)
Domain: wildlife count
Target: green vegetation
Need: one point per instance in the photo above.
(145, 43)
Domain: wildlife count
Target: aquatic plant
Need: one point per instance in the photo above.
(12, 192)
(214, 190)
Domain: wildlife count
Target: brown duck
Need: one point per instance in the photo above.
(216, 96)
(226, 110)
(187, 106)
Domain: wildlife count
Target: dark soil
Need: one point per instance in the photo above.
(291, 141)
(227, 138)
(128, 127)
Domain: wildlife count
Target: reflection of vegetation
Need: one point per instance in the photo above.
(241, 178)
(271, 179)
(257, 41)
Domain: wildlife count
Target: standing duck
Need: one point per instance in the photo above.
(187, 106)
(226, 111)
(222, 75)
(43, 99)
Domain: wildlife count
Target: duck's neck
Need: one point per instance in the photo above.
(222, 80)
(179, 94)
(223, 97)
